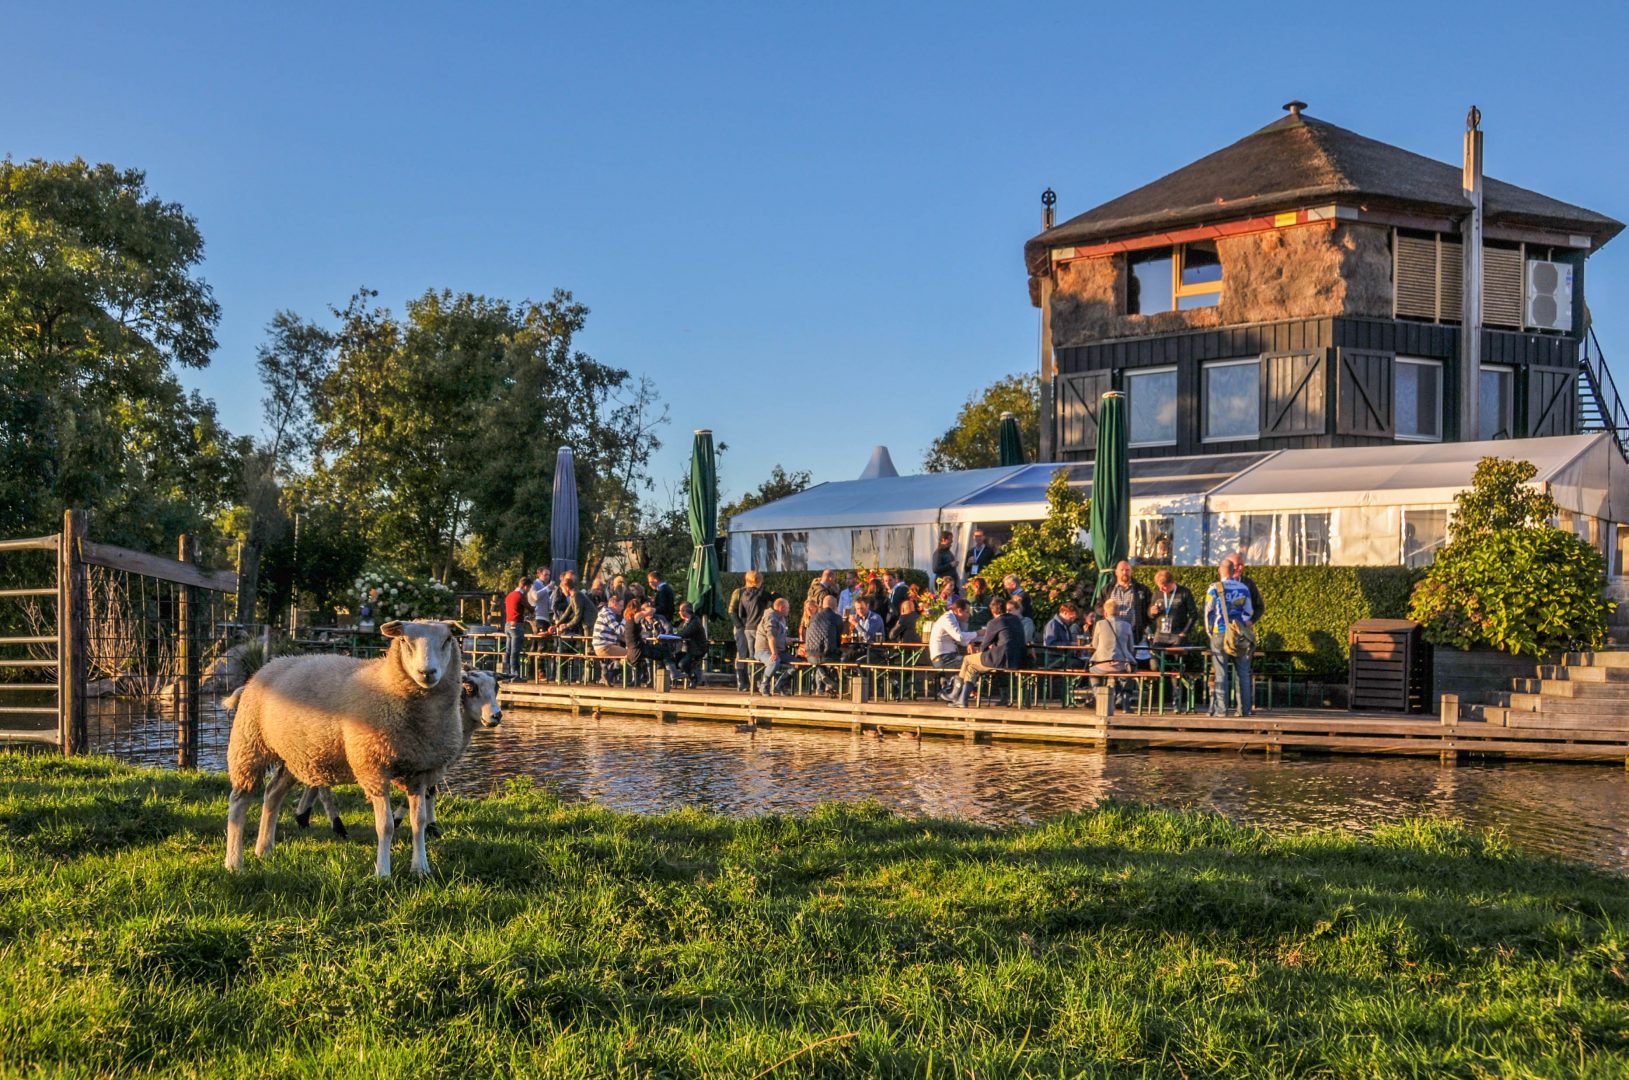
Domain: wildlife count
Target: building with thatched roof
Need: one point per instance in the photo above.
(1304, 287)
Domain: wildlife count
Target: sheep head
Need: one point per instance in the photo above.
(481, 698)
(427, 650)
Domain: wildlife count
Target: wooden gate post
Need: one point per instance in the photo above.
(187, 612)
(73, 634)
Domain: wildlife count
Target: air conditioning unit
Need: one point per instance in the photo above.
(1549, 295)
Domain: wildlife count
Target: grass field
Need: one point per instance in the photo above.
(563, 939)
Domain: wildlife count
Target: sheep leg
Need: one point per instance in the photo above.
(270, 808)
(325, 795)
(302, 809)
(385, 825)
(237, 815)
(432, 830)
(419, 809)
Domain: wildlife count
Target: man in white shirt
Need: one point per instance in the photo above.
(950, 637)
(541, 597)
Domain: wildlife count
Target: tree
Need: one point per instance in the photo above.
(1049, 558)
(1507, 579)
(973, 441)
(779, 485)
(99, 304)
(442, 425)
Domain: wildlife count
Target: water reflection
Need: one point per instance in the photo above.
(1578, 811)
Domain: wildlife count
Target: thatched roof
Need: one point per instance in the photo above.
(1298, 160)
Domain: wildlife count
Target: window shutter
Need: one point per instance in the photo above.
(1077, 398)
(1364, 398)
(1414, 276)
(1552, 401)
(1451, 276)
(1292, 389)
(1502, 287)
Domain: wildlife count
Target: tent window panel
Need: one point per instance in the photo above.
(1151, 540)
(1424, 531)
(1285, 539)
(1418, 403)
(876, 549)
(864, 547)
(1153, 406)
(794, 551)
(774, 552)
(1232, 397)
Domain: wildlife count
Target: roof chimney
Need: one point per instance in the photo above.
(1294, 108)
(1470, 323)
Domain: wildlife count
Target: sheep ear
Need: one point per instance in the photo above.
(393, 628)
(469, 687)
(457, 628)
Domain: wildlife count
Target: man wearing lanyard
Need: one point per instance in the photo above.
(981, 555)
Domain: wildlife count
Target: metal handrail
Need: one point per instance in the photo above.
(1614, 416)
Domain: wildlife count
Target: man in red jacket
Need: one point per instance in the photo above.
(515, 613)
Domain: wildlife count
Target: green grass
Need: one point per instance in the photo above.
(562, 939)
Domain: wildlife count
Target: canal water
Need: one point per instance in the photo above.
(1575, 811)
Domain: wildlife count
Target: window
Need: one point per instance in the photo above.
(1424, 531)
(1232, 400)
(1419, 399)
(1151, 540)
(772, 552)
(1285, 539)
(1153, 402)
(1496, 403)
(1176, 278)
(1149, 287)
(1620, 565)
(879, 548)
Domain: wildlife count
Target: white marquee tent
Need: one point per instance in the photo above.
(1362, 506)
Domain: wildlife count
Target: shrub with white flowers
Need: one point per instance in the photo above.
(383, 595)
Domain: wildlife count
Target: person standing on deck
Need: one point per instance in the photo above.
(773, 644)
(980, 555)
(661, 594)
(944, 562)
(1171, 610)
(1227, 602)
(1256, 602)
(1130, 595)
(515, 612)
(541, 596)
(745, 614)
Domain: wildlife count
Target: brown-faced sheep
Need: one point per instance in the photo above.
(330, 720)
(478, 707)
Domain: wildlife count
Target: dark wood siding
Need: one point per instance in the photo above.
(1190, 350)
(1077, 399)
(1363, 402)
(1292, 394)
(1552, 401)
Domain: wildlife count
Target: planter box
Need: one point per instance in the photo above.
(1475, 673)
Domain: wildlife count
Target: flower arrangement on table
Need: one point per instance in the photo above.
(383, 595)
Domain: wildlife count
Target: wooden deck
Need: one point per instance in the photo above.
(1326, 731)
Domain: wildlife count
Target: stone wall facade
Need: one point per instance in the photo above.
(1295, 273)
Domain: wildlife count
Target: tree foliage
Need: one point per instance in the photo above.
(1507, 579)
(100, 303)
(779, 485)
(974, 440)
(1048, 557)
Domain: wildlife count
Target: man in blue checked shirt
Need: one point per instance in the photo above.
(1227, 601)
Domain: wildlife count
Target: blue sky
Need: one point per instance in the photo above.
(805, 222)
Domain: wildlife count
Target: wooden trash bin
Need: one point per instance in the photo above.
(1390, 665)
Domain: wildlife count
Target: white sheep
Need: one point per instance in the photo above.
(478, 706)
(329, 720)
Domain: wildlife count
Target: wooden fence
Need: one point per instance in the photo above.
(140, 621)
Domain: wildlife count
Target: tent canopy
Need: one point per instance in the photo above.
(893, 500)
(1585, 472)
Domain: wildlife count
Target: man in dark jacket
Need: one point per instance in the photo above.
(944, 561)
(1257, 605)
(980, 555)
(572, 610)
(823, 642)
(692, 644)
(661, 594)
(1002, 649)
(1171, 610)
(1133, 596)
(747, 611)
(743, 643)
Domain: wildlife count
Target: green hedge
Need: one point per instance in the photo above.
(794, 585)
(1309, 608)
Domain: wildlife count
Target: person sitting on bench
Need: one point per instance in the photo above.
(1002, 649)
(822, 643)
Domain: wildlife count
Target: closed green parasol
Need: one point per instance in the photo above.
(1111, 488)
(1012, 443)
(703, 591)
